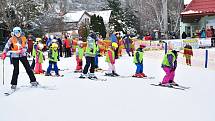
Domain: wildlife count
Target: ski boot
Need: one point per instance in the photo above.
(34, 84)
(143, 75)
(92, 76)
(13, 87)
(171, 82)
(47, 74)
(115, 74)
(165, 84)
(138, 75)
(83, 76)
(109, 74)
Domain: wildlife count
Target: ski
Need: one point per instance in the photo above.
(148, 77)
(95, 79)
(77, 71)
(57, 75)
(10, 92)
(40, 86)
(169, 86)
(181, 86)
(29, 86)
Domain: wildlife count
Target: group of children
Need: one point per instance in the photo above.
(90, 52)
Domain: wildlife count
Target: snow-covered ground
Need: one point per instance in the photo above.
(117, 99)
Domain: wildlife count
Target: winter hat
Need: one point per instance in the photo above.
(17, 30)
(142, 45)
(93, 35)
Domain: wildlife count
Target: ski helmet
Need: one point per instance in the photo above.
(114, 44)
(40, 46)
(17, 30)
(54, 45)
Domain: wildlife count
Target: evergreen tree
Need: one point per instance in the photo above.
(131, 22)
(116, 18)
(103, 31)
(97, 25)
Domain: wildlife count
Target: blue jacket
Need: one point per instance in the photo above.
(113, 38)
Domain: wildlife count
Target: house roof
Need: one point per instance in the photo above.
(200, 7)
(74, 16)
(105, 14)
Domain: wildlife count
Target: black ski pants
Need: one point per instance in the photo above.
(90, 62)
(27, 67)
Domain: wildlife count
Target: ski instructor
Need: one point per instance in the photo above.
(17, 45)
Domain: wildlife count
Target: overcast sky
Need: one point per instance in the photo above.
(187, 1)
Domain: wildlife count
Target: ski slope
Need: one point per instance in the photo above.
(117, 99)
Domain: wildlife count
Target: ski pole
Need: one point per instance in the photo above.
(3, 72)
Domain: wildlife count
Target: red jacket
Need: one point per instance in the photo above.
(67, 43)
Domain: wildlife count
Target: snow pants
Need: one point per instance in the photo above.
(90, 62)
(96, 61)
(169, 77)
(79, 63)
(25, 63)
(50, 67)
(139, 68)
(111, 68)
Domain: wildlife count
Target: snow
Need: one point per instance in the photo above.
(191, 12)
(105, 14)
(118, 99)
(73, 16)
(187, 1)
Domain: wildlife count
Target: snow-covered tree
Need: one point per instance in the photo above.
(116, 15)
(97, 25)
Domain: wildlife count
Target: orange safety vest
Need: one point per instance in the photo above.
(14, 46)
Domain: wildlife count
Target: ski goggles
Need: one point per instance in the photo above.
(16, 32)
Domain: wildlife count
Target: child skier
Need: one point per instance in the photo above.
(17, 44)
(39, 59)
(188, 52)
(110, 59)
(138, 61)
(79, 56)
(90, 57)
(53, 58)
(35, 47)
(169, 65)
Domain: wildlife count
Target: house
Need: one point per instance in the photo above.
(198, 15)
(74, 19)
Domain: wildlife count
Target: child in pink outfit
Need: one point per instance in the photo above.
(169, 65)
(39, 59)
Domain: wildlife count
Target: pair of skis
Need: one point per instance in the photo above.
(173, 86)
(11, 91)
(148, 77)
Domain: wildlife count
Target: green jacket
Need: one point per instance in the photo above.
(108, 56)
(138, 57)
(53, 55)
(80, 52)
(169, 59)
(40, 55)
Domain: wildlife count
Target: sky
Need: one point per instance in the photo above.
(187, 1)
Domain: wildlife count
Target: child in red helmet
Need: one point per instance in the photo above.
(138, 61)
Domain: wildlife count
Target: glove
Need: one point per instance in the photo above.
(19, 51)
(172, 69)
(3, 56)
(113, 62)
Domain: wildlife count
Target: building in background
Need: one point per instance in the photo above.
(198, 15)
(74, 19)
